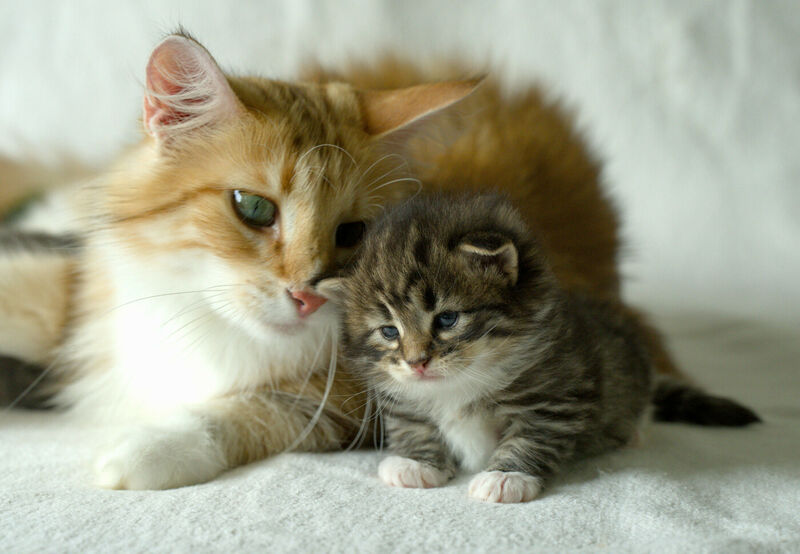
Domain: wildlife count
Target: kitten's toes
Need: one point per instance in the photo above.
(505, 487)
(408, 473)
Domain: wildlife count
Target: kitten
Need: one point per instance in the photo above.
(479, 357)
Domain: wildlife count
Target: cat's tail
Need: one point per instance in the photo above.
(676, 400)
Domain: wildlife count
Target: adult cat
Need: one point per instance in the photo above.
(193, 327)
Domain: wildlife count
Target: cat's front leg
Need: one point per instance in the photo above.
(177, 451)
(199, 443)
(421, 458)
(523, 459)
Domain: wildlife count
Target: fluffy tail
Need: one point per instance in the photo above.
(676, 400)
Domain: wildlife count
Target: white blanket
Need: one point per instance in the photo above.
(694, 106)
(686, 489)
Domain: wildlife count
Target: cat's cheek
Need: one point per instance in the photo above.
(407, 473)
(504, 487)
(160, 457)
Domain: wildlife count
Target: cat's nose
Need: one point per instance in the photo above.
(420, 365)
(306, 301)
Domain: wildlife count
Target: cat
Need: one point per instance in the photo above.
(191, 326)
(478, 356)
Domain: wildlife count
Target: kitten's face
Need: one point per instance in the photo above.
(431, 305)
(250, 189)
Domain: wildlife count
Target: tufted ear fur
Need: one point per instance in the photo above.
(186, 90)
(386, 112)
(332, 288)
(492, 250)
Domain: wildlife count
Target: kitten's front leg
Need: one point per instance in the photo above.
(524, 457)
(199, 443)
(422, 459)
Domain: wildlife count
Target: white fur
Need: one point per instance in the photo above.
(472, 439)
(504, 487)
(405, 472)
(181, 331)
(173, 453)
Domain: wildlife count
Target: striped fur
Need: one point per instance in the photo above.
(528, 377)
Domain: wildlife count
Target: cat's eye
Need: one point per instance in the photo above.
(350, 234)
(445, 320)
(253, 210)
(390, 332)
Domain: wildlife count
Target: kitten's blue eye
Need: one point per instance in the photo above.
(445, 320)
(390, 332)
(253, 210)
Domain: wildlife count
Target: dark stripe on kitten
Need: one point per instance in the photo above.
(429, 299)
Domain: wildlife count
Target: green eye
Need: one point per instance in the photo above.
(253, 210)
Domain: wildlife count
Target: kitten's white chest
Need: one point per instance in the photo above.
(472, 438)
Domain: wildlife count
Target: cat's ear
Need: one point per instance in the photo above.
(402, 111)
(332, 288)
(186, 90)
(492, 250)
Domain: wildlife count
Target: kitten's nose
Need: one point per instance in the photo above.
(420, 365)
(306, 301)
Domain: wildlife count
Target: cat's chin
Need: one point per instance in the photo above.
(290, 329)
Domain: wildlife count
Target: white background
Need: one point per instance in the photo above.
(693, 106)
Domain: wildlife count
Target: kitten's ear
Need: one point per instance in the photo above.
(186, 90)
(332, 288)
(492, 250)
(387, 112)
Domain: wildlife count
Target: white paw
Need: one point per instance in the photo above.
(505, 487)
(159, 458)
(408, 473)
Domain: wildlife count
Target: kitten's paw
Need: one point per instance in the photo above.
(155, 458)
(408, 473)
(504, 486)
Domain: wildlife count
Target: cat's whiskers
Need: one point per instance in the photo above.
(318, 146)
(334, 341)
(403, 162)
(398, 180)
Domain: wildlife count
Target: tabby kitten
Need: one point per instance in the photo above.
(479, 357)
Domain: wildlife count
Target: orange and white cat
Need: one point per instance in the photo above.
(194, 328)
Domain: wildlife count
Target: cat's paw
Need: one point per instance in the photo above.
(408, 473)
(157, 458)
(504, 486)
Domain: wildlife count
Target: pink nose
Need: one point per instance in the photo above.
(420, 366)
(306, 302)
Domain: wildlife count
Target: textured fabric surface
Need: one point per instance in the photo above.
(693, 106)
(685, 489)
